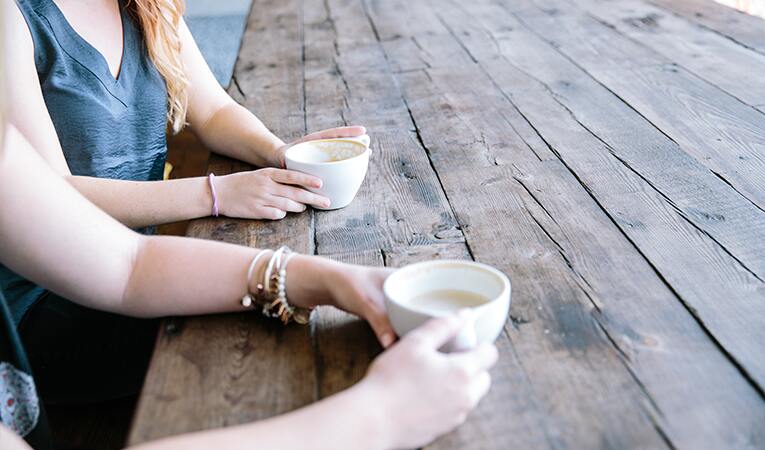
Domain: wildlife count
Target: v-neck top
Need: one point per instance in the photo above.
(108, 127)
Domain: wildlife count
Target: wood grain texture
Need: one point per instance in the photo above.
(695, 119)
(714, 58)
(705, 199)
(742, 28)
(208, 372)
(721, 132)
(718, 290)
(489, 216)
(574, 153)
(675, 323)
(558, 99)
(401, 202)
(559, 357)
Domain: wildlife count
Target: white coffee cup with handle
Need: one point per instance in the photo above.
(340, 163)
(425, 290)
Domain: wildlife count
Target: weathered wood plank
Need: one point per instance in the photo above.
(205, 374)
(559, 102)
(487, 217)
(637, 311)
(203, 369)
(654, 337)
(643, 317)
(344, 344)
(491, 132)
(602, 222)
(401, 202)
(391, 23)
(718, 130)
(268, 75)
(726, 299)
(745, 29)
(707, 201)
(721, 133)
(410, 255)
(577, 386)
(714, 58)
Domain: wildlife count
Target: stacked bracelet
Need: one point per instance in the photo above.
(271, 294)
(250, 297)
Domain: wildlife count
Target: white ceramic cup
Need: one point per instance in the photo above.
(340, 163)
(486, 320)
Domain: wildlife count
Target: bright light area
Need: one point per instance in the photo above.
(753, 7)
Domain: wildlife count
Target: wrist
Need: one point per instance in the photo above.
(199, 196)
(220, 185)
(309, 279)
(375, 424)
(273, 153)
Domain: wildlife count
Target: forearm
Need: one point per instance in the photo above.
(349, 419)
(144, 203)
(235, 132)
(181, 276)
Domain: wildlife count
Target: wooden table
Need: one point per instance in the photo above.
(608, 156)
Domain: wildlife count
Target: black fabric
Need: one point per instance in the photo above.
(81, 355)
(12, 352)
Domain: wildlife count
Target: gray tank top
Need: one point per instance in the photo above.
(108, 128)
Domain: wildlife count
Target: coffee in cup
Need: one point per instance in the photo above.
(422, 291)
(340, 163)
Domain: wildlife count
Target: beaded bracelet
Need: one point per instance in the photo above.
(271, 294)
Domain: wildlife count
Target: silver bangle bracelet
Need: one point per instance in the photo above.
(249, 298)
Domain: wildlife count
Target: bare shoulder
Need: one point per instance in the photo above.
(17, 34)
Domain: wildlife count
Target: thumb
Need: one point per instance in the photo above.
(437, 332)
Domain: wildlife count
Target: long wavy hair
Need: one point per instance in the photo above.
(160, 22)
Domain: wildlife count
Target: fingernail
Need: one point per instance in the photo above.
(387, 340)
(317, 184)
(327, 204)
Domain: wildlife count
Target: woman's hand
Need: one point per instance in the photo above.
(267, 193)
(314, 281)
(331, 133)
(421, 393)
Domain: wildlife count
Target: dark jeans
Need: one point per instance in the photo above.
(80, 355)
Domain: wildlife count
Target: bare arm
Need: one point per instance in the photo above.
(135, 204)
(222, 124)
(413, 392)
(54, 236)
(350, 419)
(257, 195)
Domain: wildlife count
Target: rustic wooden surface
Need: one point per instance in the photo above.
(609, 156)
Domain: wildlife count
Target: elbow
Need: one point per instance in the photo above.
(131, 302)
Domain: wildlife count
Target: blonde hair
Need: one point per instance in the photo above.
(160, 22)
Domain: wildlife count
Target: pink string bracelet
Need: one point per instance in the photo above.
(210, 180)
